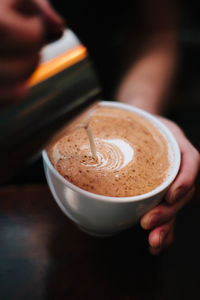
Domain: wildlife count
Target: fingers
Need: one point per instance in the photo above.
(187, 174)
(160, 221)
(190, 163)
(161, 237)
(12, 94)
(24, 26)
(50, 14)
(17, 69)
(164, 212)
(19, 33)
(53, 22)
(14, 73)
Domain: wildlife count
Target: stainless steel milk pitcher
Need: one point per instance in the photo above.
(64, 84)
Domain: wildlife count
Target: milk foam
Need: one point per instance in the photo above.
(132, 156)
(116, 154)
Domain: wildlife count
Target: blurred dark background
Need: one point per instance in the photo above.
(186, 94)
(185, 108)
(176, 272)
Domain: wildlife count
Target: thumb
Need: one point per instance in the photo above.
(53, 21)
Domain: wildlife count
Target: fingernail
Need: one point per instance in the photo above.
(154, 243)
(157, 241)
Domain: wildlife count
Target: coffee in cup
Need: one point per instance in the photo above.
(132, 155)
(111, 171)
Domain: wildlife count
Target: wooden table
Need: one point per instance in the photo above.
(43, 255)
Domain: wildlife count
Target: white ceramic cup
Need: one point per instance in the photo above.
(102, 215)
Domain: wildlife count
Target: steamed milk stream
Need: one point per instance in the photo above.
(131, 154)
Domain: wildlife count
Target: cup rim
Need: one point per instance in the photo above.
(175, 165)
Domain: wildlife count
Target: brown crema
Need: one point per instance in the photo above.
(132, 155)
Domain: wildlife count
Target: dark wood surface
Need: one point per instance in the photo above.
(43, 255)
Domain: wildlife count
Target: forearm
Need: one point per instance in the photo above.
(148, 81)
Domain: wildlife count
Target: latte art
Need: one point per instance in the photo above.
(132, 156)
(111, 154)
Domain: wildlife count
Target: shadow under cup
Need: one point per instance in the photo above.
(103, 215)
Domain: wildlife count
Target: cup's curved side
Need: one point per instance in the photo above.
(93, 216)
(101, 215)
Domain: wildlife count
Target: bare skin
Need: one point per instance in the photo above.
(146, 85)
(24, 29)
(160, 220)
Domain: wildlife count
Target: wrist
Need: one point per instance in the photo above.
(144, 97)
